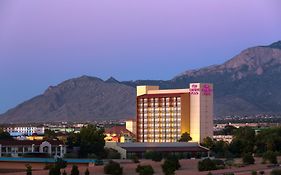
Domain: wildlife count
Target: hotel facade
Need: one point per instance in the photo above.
(164, 115)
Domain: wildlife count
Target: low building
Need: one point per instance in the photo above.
(19, 148)
(225, 138)
(119, 134)
(128, 150)
(131, 125)
(25, 130)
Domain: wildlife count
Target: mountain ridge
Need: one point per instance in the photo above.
(246, 84)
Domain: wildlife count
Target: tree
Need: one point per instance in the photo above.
(92, 141)
(275, 172)
(5, 135)
(54, 170)
(248, 159)
(208, 142)
(28, 169)
(74, 170)
(185, 137)
(154, 155)
(243, 141)
(145, 170)
(113, 168)
(49, 135)
(87, 172)
(208, 164)
(270, 156)
(171, 164)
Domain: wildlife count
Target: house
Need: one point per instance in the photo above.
(20, 148)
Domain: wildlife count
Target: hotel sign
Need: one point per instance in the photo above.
(206, 90)
(194, 90)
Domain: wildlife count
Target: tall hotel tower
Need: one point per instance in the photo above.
(164, 115)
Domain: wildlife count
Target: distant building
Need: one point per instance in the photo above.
(25, 130)
(225, 138)
(118, 134)
(18, 148)
(185, 149)
(164, 115)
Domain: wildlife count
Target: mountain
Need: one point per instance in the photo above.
(79, 99)
(247, 84)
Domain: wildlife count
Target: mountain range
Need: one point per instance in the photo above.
(247, 84)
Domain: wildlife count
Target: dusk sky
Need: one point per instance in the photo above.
(45, 42)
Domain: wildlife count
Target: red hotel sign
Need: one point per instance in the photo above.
(206, 90)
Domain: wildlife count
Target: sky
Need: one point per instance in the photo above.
(43, 43)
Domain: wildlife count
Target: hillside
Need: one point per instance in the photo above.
(247, 84)
(79, 99)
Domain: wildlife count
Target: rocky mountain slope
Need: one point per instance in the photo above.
(79, 99)
(247, 84)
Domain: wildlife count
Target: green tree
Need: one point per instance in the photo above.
(206, 165)
(185, 137)
(92, 141)
(270, 156)
(248, 159)
(145, 170)
(74, 170)
(243, 141)
(275, 172)
(50, 135)
(171, 164)
(5, 135)
(208, 142)
(113, 168)
(87, 172)
(54, 170)
(154, 155)
(28, 169)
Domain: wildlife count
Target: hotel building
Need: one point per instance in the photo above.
(164, 115)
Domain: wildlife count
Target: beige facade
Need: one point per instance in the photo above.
(163, 115)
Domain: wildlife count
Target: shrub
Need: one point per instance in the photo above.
(112, 154)
(153, 155)
(206, 165)
(145, 170)
(135, 159)
(248, 159)
(261, 172)
(254, 173)
(113, 168)
(54, 170)
(270, 156)
(87, 172)
(60, 163)
(275, 172)
(171, 164)
(74, 170)
(28, 169)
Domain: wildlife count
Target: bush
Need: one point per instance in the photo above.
(206, 165)
(153, 155)
(28, 169)
(261, 172)
(112, 154)
(60, 163)
(254, 173)
(170, 165)
(248, 159)
(87, 172)
(135, 159)
(275, 172)
(74, 170)
(270, 156)
(145, 170)
(113, 168)
(54, 170)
